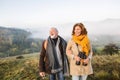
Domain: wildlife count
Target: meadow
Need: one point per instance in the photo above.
(25, 67)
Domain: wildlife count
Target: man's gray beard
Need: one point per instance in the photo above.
(53, 37)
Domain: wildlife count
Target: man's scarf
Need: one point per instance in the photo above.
(52, 57)
(83, 41)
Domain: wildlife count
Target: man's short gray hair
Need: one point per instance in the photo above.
(54, 29)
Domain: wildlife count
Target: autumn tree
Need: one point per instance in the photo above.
(111, 49)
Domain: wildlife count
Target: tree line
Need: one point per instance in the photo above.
(16, 42)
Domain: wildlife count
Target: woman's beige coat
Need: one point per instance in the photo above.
(77, 69)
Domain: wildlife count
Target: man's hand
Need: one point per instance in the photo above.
(42, 74)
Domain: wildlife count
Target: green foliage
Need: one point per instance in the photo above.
(105, 67)
(16, 41)
(98, 50)
(111, 49)
(19, 69)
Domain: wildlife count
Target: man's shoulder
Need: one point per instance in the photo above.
(61, 38)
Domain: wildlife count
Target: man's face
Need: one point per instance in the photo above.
(53, 33)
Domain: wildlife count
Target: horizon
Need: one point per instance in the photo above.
(104, 27)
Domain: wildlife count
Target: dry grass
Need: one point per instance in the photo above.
(105, 67)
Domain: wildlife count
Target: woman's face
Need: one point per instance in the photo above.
(77, 30)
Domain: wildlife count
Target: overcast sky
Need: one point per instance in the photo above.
(31, 13)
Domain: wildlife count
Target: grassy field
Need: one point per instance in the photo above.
(105, 67)
(25, 68)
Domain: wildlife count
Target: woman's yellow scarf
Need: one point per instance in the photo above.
(83, 41)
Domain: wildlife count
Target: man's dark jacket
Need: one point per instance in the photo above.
(44, 61)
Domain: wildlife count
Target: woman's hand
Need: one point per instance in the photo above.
(69, 52)
(86, 60)
(77, 58)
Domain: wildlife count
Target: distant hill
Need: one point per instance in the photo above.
(104, 27)
(15, 41)
(9, 35)
(101, 32)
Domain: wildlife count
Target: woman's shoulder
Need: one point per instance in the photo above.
(71, 41)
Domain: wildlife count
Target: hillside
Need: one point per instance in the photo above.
(15, 41)
(105, 67)
(103, 27)
(7, 35)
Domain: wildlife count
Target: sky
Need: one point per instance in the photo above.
(31, 13)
